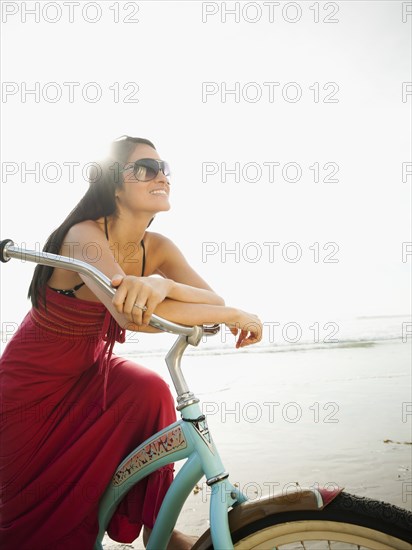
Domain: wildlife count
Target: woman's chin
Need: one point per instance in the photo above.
(164, 208)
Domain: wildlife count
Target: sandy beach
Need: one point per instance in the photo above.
(338, 415)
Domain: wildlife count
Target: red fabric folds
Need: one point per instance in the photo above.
(59, 447)
(112, 332)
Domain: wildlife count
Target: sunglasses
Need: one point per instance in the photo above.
(147, 169)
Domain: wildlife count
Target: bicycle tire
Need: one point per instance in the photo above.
(350, 519)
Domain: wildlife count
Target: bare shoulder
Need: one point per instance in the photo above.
(77, 244)
(160, 245)
(84, 230)
(159, 248)
(81, 235)
(172, 264)
(161, 242)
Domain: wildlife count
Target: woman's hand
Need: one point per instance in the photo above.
(134, 294)
(249, 325)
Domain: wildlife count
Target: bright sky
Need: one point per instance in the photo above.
(322, 103)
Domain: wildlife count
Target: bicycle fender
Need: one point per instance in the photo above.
(251, 511)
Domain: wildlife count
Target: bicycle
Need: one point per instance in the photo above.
(307, 516)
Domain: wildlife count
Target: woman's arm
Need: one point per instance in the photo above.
(186, 293)
(248, 324)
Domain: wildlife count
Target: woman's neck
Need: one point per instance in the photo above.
(125, 229)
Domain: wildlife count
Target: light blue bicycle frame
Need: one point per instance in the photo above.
(183, 439)
(187, 438)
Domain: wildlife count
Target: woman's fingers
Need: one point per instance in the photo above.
(241, 338)
(125, 298)
(250, 333)
(116, 279)
(151, 303)
(146, 303)
(135, 299)
(119, 298)
(251, 339)
(140, 305)
(131, 309)
(136, 315)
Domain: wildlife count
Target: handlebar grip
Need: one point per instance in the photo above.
(3, 245)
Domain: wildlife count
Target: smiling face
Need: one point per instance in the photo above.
(144, 196)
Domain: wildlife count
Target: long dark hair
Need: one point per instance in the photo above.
(99, 200)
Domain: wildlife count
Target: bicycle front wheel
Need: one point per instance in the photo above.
(349, 522)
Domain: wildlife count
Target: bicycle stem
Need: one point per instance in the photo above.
(173, 360)
(187, 335)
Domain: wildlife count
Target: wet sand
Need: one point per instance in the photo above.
(339, 416)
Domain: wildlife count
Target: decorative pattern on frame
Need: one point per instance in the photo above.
(171, 441)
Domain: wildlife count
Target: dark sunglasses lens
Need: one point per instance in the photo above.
(145, 170)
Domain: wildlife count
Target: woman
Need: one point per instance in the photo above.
(72, 410)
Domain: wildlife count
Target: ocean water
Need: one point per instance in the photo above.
(283, 335)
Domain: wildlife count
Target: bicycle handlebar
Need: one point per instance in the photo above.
(8, 250)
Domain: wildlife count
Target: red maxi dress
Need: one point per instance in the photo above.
(64, 431)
